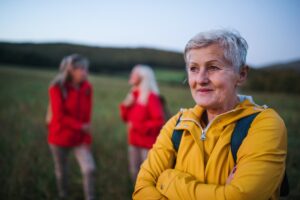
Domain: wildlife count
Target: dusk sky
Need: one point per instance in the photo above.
(271, 27)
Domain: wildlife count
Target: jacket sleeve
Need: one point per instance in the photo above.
(90, 105)
(155, 116)
(58, 115)
(124, 110)
(260, 164)
(160, 157)
(156, 120)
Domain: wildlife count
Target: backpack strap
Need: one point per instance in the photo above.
(176, 136)
(240, 132)
(285, 186)
(238, 135)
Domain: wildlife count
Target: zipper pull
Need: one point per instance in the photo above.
(203, 136)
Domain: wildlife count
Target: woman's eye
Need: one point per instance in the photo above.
(213, 68)
(193, 69)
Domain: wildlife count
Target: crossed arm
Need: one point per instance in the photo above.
(261, 163)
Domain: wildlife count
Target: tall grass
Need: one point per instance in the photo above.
(26, 166)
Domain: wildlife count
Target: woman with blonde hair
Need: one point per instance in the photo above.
(69, 119)
(142, 111)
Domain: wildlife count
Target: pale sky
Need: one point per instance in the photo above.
(271, 27)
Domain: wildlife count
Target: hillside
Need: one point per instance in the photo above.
(295, 65)
(102, 59)
(283, 77)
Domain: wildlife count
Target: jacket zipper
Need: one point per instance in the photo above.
(78, 104)
(204, 131)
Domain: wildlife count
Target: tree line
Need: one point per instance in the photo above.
(276, 78)
(108, 60)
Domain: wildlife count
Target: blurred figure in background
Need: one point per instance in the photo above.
(68, 119)
(142, 111)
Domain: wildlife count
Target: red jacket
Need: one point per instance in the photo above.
(69, 114)
(146, 120)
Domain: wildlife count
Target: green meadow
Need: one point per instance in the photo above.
(26, 166)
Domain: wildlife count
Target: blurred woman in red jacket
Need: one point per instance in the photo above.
(69, 119)
(142, 111)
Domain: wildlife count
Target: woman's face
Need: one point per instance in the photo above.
(212, 80)
(134, 78)
(78, 74)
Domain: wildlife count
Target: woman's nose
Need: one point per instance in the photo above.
(202, 76)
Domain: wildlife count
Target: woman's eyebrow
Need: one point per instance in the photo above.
(192, 63)
(212, 61)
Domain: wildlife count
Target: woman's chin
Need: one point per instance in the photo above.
(204, 106)
(203, 101)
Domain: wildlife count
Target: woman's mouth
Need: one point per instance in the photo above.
(204, 90)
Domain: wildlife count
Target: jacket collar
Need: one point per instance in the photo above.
(83, 85)
(243, 109)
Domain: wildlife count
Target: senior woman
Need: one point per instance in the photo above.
(203, 165)
(68, 120)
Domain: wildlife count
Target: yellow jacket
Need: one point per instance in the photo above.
(202, 167)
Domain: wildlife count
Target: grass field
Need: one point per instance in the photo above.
(26, 166)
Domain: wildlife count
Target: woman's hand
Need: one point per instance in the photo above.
(230, 177)
(128, 101)
(129, 125)
(86, 127)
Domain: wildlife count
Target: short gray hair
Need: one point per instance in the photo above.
(75, 60)
(70, 61)
(234, 45)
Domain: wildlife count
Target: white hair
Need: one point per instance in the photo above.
(148, 82)
(234, 45)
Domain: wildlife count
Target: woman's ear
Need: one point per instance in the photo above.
(243, 74)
